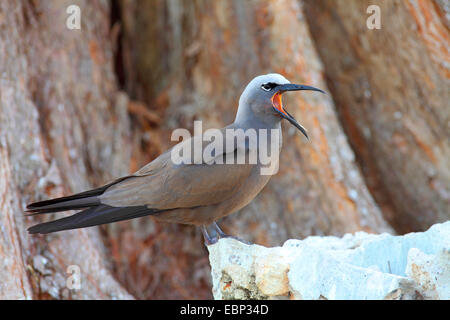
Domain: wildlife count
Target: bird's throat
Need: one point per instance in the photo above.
(277, 102)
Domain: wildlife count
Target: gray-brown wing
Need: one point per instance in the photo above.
(164, 185)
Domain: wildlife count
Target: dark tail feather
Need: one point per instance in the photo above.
(61, 204)
(76, 201)
(91, 217)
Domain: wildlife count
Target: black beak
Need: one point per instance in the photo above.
(282, 112)
(295, 87)
(291, 119)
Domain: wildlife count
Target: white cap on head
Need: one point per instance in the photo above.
(260, 80)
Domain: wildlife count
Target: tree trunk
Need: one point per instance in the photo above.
(391, 88)
(190, 60)
(63, 128)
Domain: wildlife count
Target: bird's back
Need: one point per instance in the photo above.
(224, 183)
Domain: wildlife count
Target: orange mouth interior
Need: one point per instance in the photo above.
(277, 103)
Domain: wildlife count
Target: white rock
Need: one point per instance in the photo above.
(271, 273)
(359, 266)
(232, 271)
(431, 272)
(315, 274)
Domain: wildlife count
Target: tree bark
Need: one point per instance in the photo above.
(66, 126)
(391, 90)
(190, 60)
(63, 128)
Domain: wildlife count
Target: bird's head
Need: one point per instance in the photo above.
(261, 100)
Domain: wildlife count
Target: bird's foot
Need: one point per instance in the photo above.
(208, 239)
(217, 234)
(238, 239)
(224, 235)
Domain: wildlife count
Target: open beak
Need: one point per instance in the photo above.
(278, 104)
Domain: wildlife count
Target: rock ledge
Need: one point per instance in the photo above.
(356, 266)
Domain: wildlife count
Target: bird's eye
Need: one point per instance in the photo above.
(268, 86)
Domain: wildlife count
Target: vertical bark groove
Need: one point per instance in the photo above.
(391, 90)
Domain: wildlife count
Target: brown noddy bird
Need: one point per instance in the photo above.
(190, 192)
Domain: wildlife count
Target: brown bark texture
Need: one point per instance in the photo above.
(391, 89)
(190, 60)
(63, 127)
(79, 108)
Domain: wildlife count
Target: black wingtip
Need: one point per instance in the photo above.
(93, 216)
(38, 229)
(34, 230)
(42, 228)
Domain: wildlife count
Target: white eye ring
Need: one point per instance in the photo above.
(264, 88)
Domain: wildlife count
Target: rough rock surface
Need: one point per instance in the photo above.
(356, 266)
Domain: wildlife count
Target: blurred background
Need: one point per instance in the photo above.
(80, 107)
